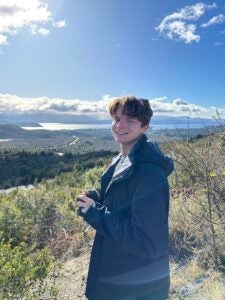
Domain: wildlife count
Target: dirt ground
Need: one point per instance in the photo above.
(71, 282)
(72, 279)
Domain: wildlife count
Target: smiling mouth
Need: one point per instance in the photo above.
(121, 133)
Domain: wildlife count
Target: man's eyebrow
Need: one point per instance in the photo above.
(132, 118)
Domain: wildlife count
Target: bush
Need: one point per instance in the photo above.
(198, 201)
(23, 272)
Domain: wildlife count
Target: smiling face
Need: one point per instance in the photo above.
(126, 130)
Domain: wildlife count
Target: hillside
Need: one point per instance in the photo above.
(23, 168)
(40, 227)
(12, 131)
(29, 124)
(15, 131)
(13, 137)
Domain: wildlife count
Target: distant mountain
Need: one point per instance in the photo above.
(11, 131)
(14, 131)
(29, 120)
(167, 120)
(29, 124)
(50, 118)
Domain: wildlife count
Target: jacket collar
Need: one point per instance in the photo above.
(135, 149)
(125, 165)
(127, 169)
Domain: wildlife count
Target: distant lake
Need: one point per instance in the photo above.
(64, 126)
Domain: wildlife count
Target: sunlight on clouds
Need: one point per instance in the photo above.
(180, 30)
(43, 31)
(57, 106)
(178, 107)
(175, 26)
(15, 104)
(33, 29)
(215, 20)
(3, 39)
(18, 14)
(60, 24)
(179, 102)
(159, 99)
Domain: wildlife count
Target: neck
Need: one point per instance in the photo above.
(124, 149)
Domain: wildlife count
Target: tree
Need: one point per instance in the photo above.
(199, 192)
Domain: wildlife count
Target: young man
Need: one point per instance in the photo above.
(129, 258)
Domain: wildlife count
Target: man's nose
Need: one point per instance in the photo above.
(121, 124)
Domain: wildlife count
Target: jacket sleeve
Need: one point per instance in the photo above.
(145, 231)
(94, 194)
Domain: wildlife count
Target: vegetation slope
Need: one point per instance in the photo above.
(39, 228)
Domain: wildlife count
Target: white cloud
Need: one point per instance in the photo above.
(215, 20)
(3, 39)
(12, 104)
(159, 99)
(33, 29)
(18, 14)
(177, 25)
(217, 44)
(179, 107)
(43, 31)
(180, 30)
(179, 102)
(60, 24)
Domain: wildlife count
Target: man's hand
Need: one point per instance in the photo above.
(84, 202)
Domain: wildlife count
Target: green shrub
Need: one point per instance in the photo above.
(23, 272)
(197, 212)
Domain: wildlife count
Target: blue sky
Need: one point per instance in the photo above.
(72, 56)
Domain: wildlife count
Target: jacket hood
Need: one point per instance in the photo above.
(147, 151)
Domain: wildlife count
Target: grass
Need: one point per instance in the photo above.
(193, 282)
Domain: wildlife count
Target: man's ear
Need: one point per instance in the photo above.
(145, 127)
